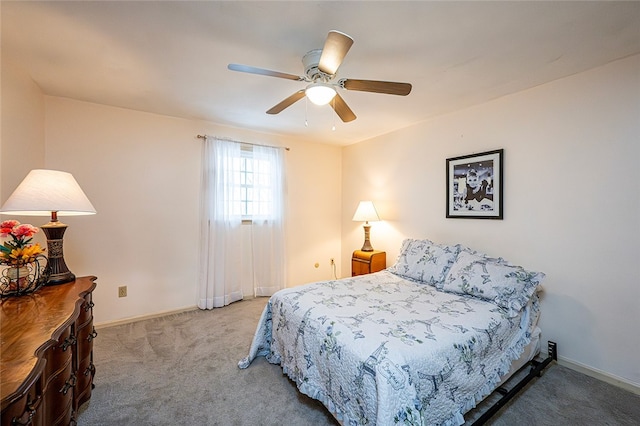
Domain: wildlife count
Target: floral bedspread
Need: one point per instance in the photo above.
(379, 349)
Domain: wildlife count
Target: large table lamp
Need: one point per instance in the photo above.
(55, 193)
(366, 212)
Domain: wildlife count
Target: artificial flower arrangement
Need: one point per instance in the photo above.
(25, 268)
(18, 250)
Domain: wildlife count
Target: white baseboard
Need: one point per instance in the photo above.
(612, 379)
(154, 315)
(144, 317)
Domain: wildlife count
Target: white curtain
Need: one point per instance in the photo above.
(267, 230)
(222, 253)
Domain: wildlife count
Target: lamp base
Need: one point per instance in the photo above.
(58, 271)
(367, 244)
(61, 279)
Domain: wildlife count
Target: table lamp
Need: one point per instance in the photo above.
(50, 192)
(364, 213)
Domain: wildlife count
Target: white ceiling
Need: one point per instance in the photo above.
(171, 57)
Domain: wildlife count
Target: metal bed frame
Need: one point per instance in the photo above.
(508, 394)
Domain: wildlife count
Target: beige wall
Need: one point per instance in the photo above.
(22, 128)
(142, 173)
(572, 202)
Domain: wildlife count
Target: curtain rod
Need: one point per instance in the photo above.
(247, 143)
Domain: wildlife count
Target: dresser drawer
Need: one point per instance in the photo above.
(28, 408)
(59, 355)
(86, 310)
(85, 340)
(84, 385)
(59, 395)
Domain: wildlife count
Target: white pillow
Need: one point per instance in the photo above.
(495, 280)
(425, 261)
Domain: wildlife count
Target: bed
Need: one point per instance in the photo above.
(421, 342)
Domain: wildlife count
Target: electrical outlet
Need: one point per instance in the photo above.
(332, 261)
(122, 291)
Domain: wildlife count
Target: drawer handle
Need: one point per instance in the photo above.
(71, 340)
(32, 411)
(93, 335)
(69, 384)
(17, 422)
(91, 369)
(88, 306)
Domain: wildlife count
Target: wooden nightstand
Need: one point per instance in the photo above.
(366, 262)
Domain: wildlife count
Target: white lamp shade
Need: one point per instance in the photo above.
(320, 93)
(46, 191)
(366, 212)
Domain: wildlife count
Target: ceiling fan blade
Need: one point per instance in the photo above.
(335, 49)
(342, 109)
(287, 102)
(388, 87)
(262, 71)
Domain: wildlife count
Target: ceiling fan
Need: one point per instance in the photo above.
(320, 68)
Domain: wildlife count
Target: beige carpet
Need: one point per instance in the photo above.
(182, 369)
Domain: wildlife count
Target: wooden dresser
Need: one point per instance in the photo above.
(46, 356)
(367, 262)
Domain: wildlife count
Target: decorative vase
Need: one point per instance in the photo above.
(18, 277)
(24, 278)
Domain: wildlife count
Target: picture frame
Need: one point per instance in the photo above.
(475, 186)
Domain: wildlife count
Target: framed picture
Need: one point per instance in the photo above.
(474, 186)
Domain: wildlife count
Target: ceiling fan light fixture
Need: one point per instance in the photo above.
(320, 93)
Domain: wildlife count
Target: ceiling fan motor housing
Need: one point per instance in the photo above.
(310, 62)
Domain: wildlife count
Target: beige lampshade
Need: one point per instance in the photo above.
(366, 212)
(46, 191)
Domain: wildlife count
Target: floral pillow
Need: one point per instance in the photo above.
(425, 261)
(495, 280)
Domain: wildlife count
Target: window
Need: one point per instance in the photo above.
(251, 191)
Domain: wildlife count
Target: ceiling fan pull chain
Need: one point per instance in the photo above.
(306, 109)
(333, 128)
